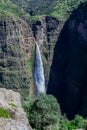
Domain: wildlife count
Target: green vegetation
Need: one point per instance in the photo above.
(58, 8)
(12, 104)
(30, 68)
(20, 3)
(31, 60)
(77, 123)
(13, 69)
(64, 8)
(4, 113)
(7, 7)
(44, 114)
(40, 6)
(34, 18)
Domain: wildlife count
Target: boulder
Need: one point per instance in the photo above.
(11, 101)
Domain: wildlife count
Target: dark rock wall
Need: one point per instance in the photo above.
(68, 76)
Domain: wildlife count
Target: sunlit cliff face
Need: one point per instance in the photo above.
(15, 49)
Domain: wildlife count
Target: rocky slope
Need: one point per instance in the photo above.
(68, 78)
(11, 101)
(16, 45)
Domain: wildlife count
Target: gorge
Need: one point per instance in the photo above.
(63, 49)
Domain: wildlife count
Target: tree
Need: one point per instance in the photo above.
(44, 113)
(77, 123)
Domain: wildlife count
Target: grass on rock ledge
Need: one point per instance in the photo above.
(4, 113)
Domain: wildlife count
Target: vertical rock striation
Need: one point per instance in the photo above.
(16, 44)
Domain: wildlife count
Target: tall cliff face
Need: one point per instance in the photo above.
(16, 45)
(68, 77)
(46, 31)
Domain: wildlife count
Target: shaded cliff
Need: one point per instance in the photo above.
(68, 76)
(46, 31)
(16, 45)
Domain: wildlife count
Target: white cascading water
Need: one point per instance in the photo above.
(39, 72)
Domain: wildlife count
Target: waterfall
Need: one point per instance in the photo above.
(39, 72)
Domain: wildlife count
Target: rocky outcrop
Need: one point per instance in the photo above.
(46, 31)
(16, 45)
(9, 124)
(11, 101)
(68, 77)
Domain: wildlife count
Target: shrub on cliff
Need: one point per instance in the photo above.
(4, 113)
(77, 123)
(44, 113)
